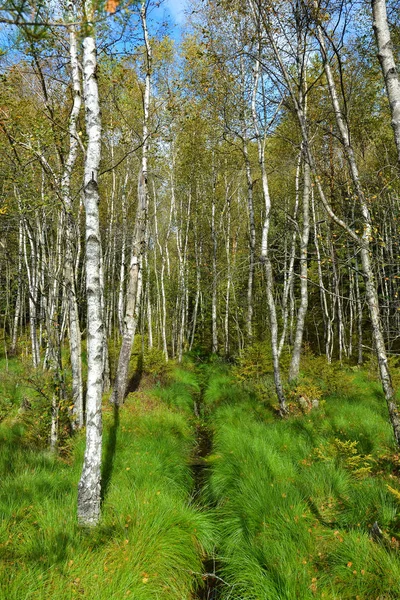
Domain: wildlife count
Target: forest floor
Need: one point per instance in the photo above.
(207, 494)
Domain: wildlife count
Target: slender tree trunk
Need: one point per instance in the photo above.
(133, 295)
(388, 65)
(359, 319)
(149, 311)
(121, 290)
(298, 340)
(198, 251)
(214, 277)
(163, 249)
(134, 287)
(32, 273)
(289, 272)
(228, 274)
(18, 302)
(252, 242)
(89, 484)
(265, 258)
(70, 236)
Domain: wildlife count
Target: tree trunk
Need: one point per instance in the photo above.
(70, 236)
(298, 340)
(265, 258)
(89, 484)
(252, 243)
(134, 287)
(388, 65)
(214, 277)
(133, 295)
(18, 301)
(289, 271)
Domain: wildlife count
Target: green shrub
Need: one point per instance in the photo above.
(345, 454)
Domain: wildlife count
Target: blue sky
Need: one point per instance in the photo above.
(175, 7)
(172, 12)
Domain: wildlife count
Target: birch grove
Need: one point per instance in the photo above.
(232, 192)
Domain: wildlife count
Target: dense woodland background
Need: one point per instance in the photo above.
(230, 190)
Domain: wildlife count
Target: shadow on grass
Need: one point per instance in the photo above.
(135, 380)
(109, 455)
(50, 549)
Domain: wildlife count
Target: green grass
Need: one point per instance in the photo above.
(150, 541)
(286, 508)
(295, 523)
(181, 391)
(13, 387)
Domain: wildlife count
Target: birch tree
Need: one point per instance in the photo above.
(388, 65)
(70, 231)
(89, 484)
(265, 253)
(134, 286)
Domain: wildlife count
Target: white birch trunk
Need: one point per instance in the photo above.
(388, 65)
(252, 243)
(163, 253)
(70, 236)
(265, 258)
(89, 484)
(324, 303)
(32, 273)
(228, 275)
(289, 273)
(298, 340)
(18, 301)
(134, 287)
(198, 251)
(214, 299)
(121, 295)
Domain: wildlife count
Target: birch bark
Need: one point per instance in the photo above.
(18, 302)
(89, 484)
(298, 340)
(265, 258)
(388, 65)
(289, 271)
(215, 276)
(70, 235)
(134, 286)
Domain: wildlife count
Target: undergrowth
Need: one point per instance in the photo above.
(151, 540)
(297, 500)
(306, 507)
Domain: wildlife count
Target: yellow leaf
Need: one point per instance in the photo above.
(111, 6)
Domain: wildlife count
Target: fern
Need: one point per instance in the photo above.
(345, 454)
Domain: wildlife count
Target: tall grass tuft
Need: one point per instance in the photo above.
(296, 500)
(151, 541)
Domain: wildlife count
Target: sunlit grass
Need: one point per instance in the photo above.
(294, 523)
(289, 515)
(150, 541)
